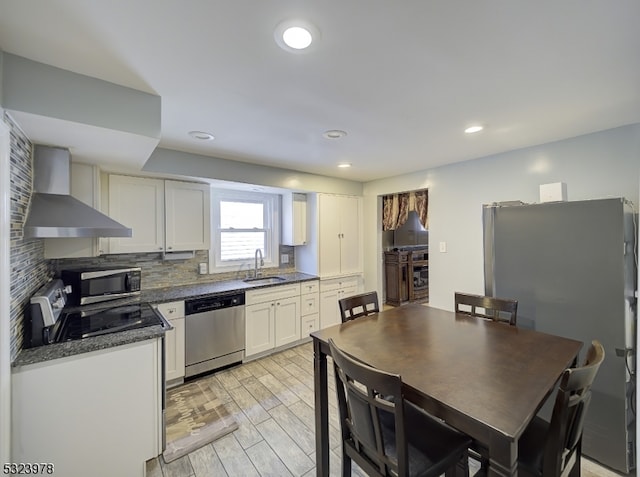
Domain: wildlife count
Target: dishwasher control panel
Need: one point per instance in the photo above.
(216, 302)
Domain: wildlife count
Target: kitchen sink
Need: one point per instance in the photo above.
(264, 280)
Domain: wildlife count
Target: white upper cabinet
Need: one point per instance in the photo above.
(187, 211)
(294, 219)
(333, 246)
(166, 216)
(339, 235)
(137, 202)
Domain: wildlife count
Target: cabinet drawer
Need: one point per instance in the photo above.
(172, 309)
(310, 304)
(339, 283)
(271, 293)
(310, 287)
(310, 323)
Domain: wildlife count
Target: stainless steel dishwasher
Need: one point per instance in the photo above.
(214, 332)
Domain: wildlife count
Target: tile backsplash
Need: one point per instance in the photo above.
(29, 270)
(159, 273)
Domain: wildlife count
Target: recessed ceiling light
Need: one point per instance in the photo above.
(201, 135)
(344, 165)
(296, 36)
(473, 129)
(334, 134)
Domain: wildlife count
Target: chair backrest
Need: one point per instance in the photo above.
(364, 411)
(496, 309)
(358, 305)
(569, 410)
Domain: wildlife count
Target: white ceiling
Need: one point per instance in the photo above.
(403, 78)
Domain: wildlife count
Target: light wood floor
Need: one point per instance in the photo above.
(273, 402)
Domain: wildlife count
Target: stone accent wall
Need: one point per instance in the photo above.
(29, 269)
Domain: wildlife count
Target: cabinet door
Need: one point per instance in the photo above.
(329, 234)
(137, 202)
(187, 211)
(329, 310)
(294, 219)
(350, 248)
(174, 350)
(259, 328)
(287, 321)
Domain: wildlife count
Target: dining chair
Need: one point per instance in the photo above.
(356, 306)
(553, 449)
(391, 438)
(496, 309)
(562, 436)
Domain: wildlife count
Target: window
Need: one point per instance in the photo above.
(242, 223)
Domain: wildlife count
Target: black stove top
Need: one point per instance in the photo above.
(79, 324)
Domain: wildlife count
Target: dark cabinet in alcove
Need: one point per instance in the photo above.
(396, 272)
(406, 276)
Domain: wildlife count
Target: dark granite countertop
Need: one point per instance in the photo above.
(155, 295)
(70, 348)
(160, 295)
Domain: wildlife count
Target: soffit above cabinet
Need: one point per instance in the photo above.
(99, 122)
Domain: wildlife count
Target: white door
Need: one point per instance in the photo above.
(287, 321)
(350, 247)
(329, 310)
(259, 334)
(187, 211)
(329, 234)
(137, 202)
(174, 349)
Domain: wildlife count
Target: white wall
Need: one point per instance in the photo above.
(5, 293)
(598, 165)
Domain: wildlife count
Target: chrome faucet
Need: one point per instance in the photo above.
(256, 273)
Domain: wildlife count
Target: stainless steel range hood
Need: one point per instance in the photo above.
(54, 213)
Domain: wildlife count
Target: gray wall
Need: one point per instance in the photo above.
(598, 165)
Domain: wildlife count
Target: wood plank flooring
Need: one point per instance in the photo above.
(273, 402)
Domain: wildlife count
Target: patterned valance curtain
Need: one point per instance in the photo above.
(396, 207)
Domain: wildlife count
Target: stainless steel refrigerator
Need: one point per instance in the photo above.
(572, 268)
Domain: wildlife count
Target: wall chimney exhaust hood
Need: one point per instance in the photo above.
(53, 212)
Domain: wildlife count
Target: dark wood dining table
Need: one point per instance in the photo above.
(486, 379)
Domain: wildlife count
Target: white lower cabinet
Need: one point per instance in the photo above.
(272, 318)
(259, 328)
(174, 346)
(330, 292)
(98, 413)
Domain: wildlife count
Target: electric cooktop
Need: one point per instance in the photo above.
(79, 324)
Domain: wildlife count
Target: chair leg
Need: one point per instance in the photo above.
(461, 469)
(346, 464)
(576, 471)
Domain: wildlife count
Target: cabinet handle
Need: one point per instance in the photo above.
(169, 248)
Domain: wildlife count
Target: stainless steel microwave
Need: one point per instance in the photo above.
(94, 286)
